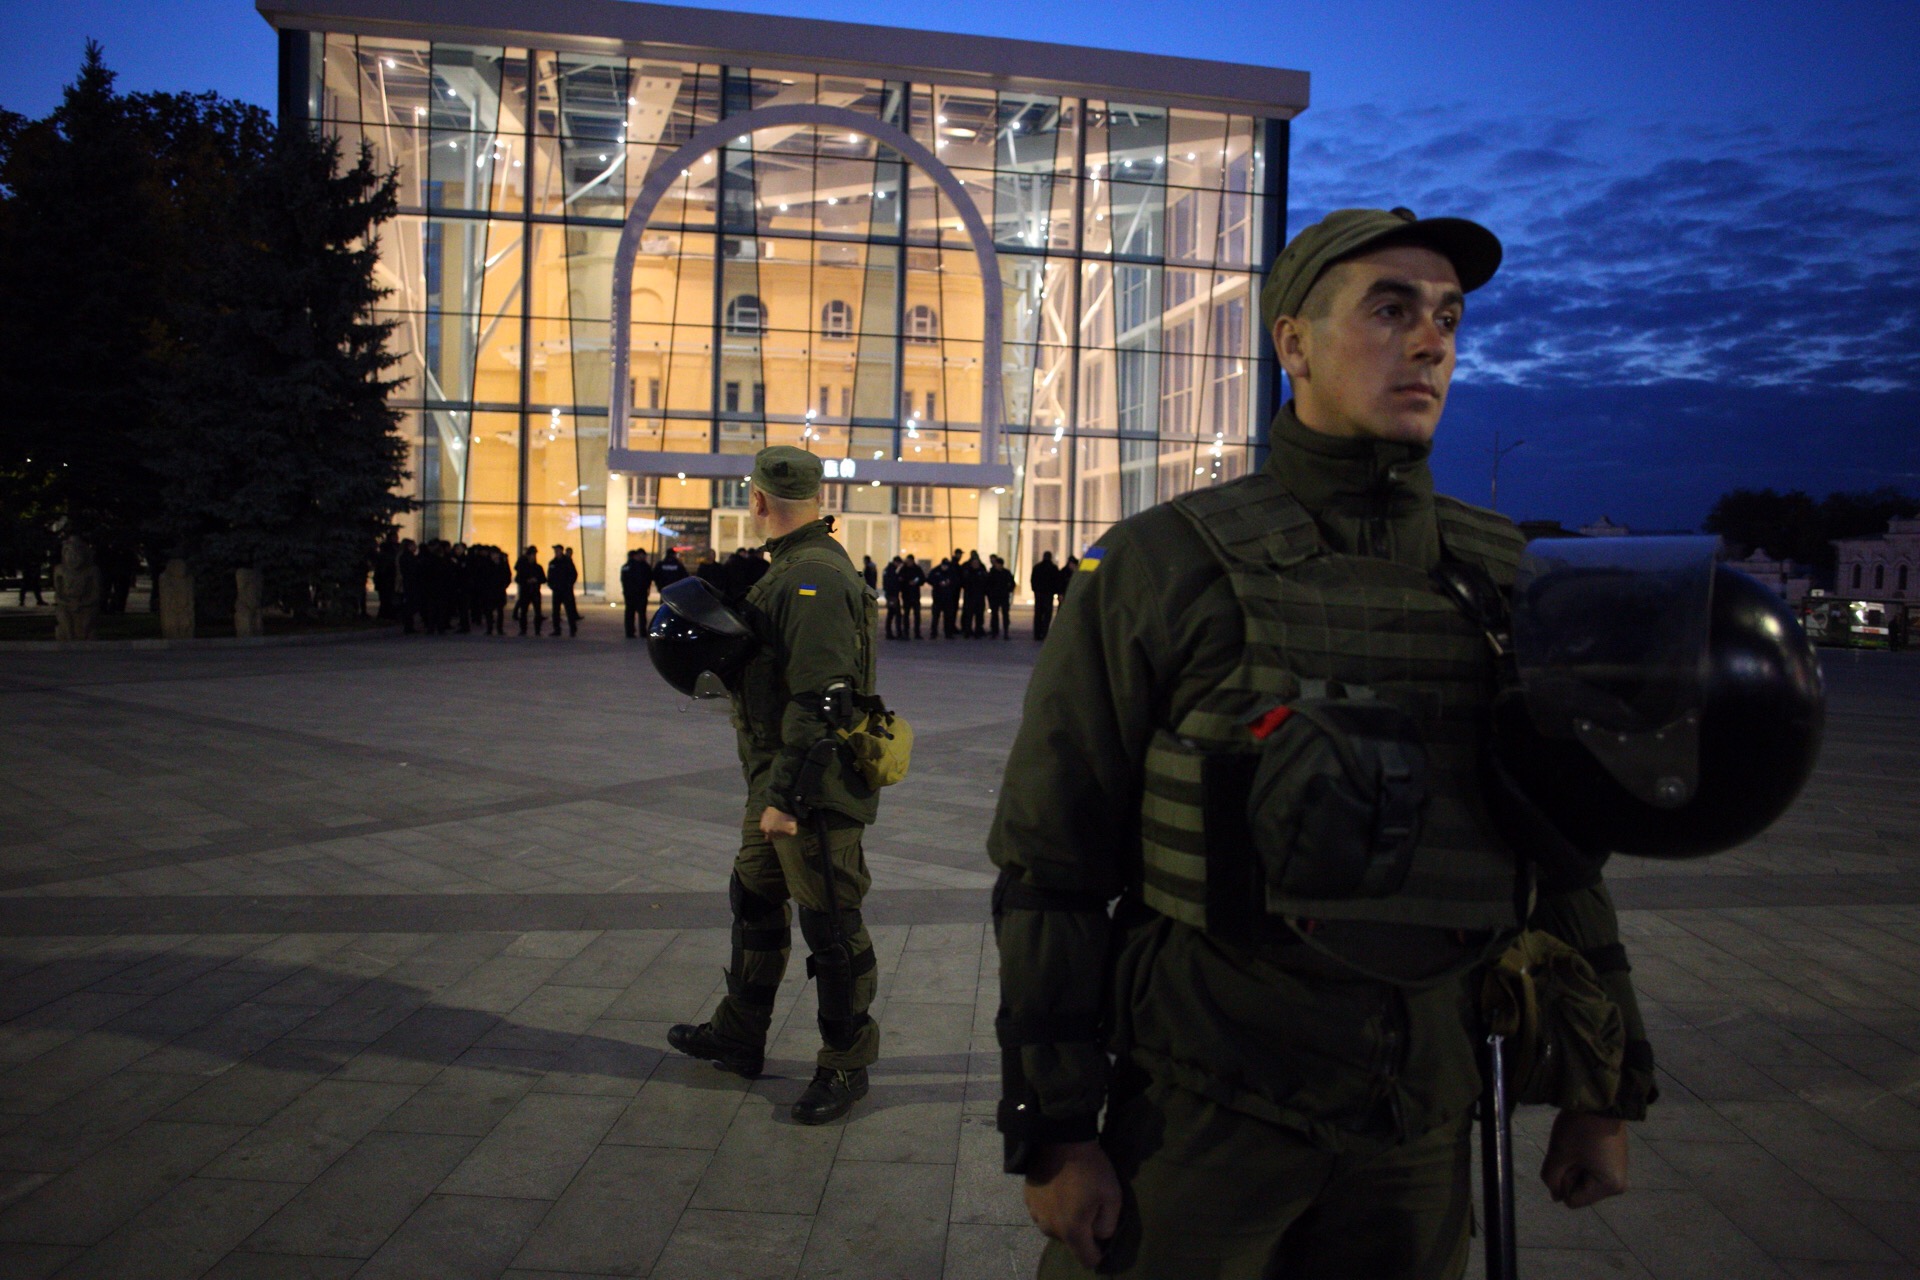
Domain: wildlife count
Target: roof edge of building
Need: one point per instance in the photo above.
(631, 28)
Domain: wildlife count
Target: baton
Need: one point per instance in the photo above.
(1496, 1163)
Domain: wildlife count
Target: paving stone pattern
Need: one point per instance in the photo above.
(358, 961)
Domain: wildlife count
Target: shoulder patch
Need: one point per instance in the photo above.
(1091, 560)
(809, 589)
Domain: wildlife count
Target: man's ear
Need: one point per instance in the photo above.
(1291, 343)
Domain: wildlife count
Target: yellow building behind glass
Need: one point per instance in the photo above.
(803, 283)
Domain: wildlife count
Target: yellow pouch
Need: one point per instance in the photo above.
(880, 744)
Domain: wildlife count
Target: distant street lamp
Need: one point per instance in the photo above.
(1493, 488)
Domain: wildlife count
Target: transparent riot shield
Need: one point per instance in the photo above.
(1611, 639)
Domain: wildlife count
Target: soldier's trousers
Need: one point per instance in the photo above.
(1211, 1194)
(767, 872)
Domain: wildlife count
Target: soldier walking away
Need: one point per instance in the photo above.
(636, 581)
(912, 576)
(561, 578)
(1294, 1035)
(529, 577)
(1000, 586)
(815, 621)
(1045, 581)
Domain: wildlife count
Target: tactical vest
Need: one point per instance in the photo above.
(1321, 627)
(760, 699)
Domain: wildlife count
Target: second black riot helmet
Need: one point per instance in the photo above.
(695, 633)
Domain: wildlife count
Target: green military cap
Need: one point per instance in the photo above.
(786, 472)
(1473, 250)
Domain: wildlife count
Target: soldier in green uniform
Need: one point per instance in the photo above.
(1257, 958)
(815, 619)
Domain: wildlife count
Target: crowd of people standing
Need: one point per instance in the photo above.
(437, 588)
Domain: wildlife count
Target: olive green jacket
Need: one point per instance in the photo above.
(1149, 627)
(815, 619)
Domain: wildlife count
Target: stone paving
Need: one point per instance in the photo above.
(358, 960)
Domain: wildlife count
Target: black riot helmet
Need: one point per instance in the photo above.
(695, 634)
(1668, 706)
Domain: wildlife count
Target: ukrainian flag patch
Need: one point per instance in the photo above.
(809, 589)
(1091, 561)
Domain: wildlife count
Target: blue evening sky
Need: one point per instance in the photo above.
(1711, 208)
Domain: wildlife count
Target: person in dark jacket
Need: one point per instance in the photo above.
(433, 574)
(1045, 582)
(406, 568)
(384, 570)
(973, 597)
(669, 570)
(562, 576)
(460, 588)
(869, 573)
(1000, 586)
(636, 580)
(530, 578)
(944, 581)
(912, 578)
(890, 592)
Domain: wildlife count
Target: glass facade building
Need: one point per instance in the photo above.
(805, 283)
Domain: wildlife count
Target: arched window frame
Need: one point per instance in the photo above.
(746, 316)
(836, 319)
(923, 323)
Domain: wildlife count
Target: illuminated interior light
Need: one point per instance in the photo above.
(783, 208)
(941, 119)
(419, 111)
(876, 484)
(877, 455)
(633, 102)
(388, 61)
(833, 199)
(1190, 155)
(999, 488)
(683, 477)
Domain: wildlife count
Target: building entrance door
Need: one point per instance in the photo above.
(732, 529)
(868, 535)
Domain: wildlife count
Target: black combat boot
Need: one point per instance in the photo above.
(830, 1096)
(702, 1042)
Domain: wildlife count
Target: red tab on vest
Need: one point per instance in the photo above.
(1263, 727)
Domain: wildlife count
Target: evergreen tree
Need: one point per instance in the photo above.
(282, 453)
(85, 243)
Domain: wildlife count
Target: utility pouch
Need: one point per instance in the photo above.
(1335, 802)
(1566, 1039)
(879, 742)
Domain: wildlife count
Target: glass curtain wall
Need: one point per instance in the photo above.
(801, 285)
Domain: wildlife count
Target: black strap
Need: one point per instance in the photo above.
(863, 962)
(1611, 958)
(1017, 895)
(763, 937)
(1014, 1033)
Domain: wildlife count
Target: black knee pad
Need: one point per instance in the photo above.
(750, 907)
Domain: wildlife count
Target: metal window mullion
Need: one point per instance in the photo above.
(1273, 186)
(1070, 469)
(526, 302)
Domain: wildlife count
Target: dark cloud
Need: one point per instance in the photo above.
(1686, 306)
